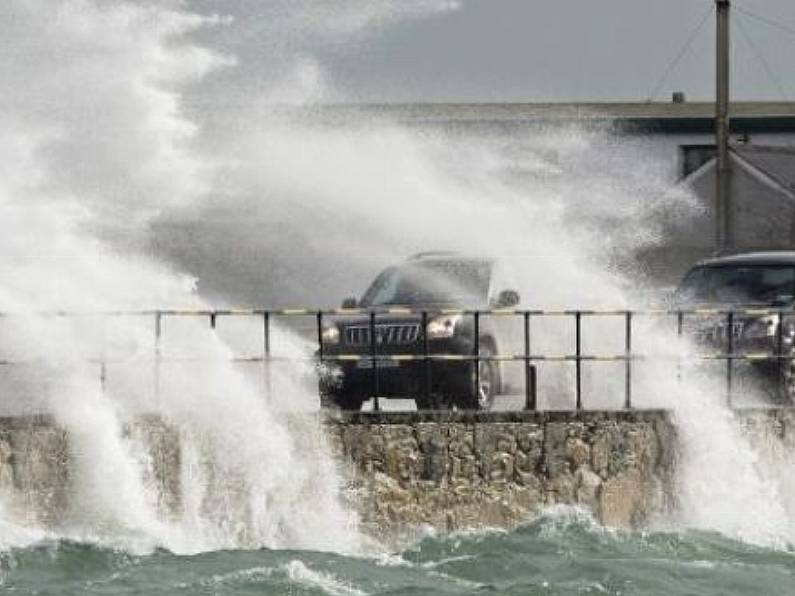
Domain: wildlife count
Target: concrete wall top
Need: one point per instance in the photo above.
(689, 117)
(478, 417)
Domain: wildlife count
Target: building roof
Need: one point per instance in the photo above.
(687, 117)
(569, 110)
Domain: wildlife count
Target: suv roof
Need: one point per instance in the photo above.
(433, 254)
(781, 257)
(440, 255)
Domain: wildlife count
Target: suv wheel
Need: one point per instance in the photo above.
(339, 400)
(441, 401)
(788, 377)
(484, 385)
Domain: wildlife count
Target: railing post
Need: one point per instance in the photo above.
(729, 355)
(476, 353)
(578, 357)
(213, 316)
(780, 352)
(158, 335)
(530, 378)
(680, 325)
(103, 376)
(628, 361)
(266, 351)
(374, 362)
(426, 386)
(320, 335)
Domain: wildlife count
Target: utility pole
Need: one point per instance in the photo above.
(724, 237)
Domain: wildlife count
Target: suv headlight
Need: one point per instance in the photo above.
(331, 334)
(762, 327)
(443, 326)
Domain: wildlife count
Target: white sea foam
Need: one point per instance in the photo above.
(15, 536)
(298, 572)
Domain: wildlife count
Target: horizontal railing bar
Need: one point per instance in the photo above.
(377, 361)
(291, 312)
(421, 357)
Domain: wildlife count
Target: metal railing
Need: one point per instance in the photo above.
(424, 354)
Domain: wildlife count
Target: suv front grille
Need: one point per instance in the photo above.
(719, 333)
(385, 334)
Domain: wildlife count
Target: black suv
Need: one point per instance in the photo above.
(435, 283)
(759, 287)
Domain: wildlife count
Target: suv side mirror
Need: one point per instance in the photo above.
(507, 298)
(667, 297)
(349, 303)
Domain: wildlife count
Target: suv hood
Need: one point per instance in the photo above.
(726, 306)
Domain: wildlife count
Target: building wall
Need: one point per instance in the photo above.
(762, 215)
(263, 267)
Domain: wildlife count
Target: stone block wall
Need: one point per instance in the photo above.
(33, 469)
(459, 470)
(449, 470)
(36, 468)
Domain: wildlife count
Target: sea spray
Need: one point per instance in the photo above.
(562, 227)
(81, 167)
(722, 481)
(83, 175)
(721, 485)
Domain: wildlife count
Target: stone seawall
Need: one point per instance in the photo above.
(37, 467)
(34, 466)
(445, 470)
(459, 470)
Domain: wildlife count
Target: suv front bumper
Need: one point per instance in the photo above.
(398, 378)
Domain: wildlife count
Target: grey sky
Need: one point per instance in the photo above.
(509, 50)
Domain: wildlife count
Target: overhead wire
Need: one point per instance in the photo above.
(682, 51)
(760, 56)
(762, 19)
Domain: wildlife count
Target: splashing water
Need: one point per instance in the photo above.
(564, 226)
(98, 153)
(94, 146)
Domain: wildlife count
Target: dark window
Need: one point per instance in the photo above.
(749, 284)
(460, 282)
(692, 157)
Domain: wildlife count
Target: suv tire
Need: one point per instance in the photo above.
(484, 387)
(787, 377)
(340, 401)
(440, 401)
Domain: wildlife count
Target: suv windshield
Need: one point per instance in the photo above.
(464, 282)
(751, 284)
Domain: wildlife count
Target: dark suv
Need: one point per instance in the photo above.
(436, 283)
(760, 288)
